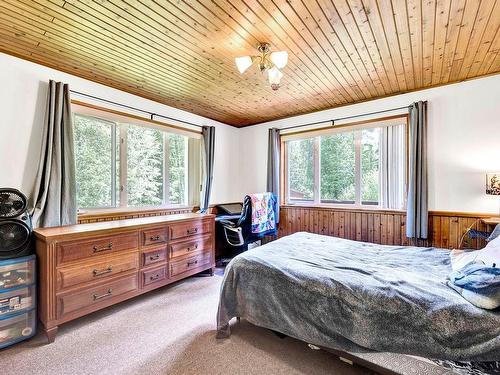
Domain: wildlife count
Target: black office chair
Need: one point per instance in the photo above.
(239, 232)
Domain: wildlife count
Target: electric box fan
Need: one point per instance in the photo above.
(15, 225)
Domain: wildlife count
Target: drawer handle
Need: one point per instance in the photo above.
(102, 272)
(192, 262)
(154, 238)
(99, 249)
(154, 257)
(192, 231)
(155, 277)
(108, 294)
(191, 248)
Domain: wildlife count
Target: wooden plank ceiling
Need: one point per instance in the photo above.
(181, 53)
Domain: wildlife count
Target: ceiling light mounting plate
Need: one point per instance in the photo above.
(264, 48)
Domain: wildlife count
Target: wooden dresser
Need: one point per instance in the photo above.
(87, 267)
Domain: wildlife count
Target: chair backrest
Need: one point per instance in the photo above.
(245, 220)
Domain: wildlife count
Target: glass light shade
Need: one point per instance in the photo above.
(279, 59)
(493, 183)
(243, 63)
(274, 76)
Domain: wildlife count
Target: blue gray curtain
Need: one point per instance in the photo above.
(273, 166)
(208, 135)
(54, 193)
(417, 210)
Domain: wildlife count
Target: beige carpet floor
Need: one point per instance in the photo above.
(167, 331)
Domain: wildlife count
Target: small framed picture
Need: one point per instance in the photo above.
(493, 183)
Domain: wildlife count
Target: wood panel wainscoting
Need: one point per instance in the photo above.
(384, 227)
(109, 215)
(86, 267)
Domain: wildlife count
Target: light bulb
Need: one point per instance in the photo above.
(274, 76)
(279, 59)
(243, 63)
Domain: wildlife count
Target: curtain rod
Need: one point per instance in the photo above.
(151, 114)
(343, 118)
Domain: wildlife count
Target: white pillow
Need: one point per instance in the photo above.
(490, 255)
(460, 258)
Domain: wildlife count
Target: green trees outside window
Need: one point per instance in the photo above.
(93, 159)
(153, 165)
(370, 160)
(144, 166)
(177, 168)
(340, 167)
(301, 169)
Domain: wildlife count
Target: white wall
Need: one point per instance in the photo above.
(464, 142)
(23, 91)
(464, 135)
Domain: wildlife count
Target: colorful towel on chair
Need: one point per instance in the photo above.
(263, 217)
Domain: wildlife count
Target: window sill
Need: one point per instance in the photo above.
(342, 207)
(126, 211)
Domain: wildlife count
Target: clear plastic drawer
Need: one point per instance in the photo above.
(17, 328)
(16, 300)
(17, 272)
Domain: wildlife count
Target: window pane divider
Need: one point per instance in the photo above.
(113, 165)
(166, 180)
(317, 171)
(187, 170)
(357, 167)
(123, 166)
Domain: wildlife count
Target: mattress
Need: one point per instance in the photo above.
(357, 297)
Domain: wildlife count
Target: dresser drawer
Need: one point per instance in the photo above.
(153, 256)
(110, 266)
(94, 296)
(154, 236)
(153, 276)
(189, 246)
(190, 228)
(187, 264)
(87, 248)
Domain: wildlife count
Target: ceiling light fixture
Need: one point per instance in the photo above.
(268, 61)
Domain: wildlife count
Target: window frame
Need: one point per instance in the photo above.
(122, 120)
(316, 133)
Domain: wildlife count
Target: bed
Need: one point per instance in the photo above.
(357, 297)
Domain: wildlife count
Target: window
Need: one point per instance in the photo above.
(338, 168)
(301, 170)
(124, 164)
(361, 165)
(145, 166)
(96, 159)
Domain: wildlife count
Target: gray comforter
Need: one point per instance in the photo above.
(355, 296)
